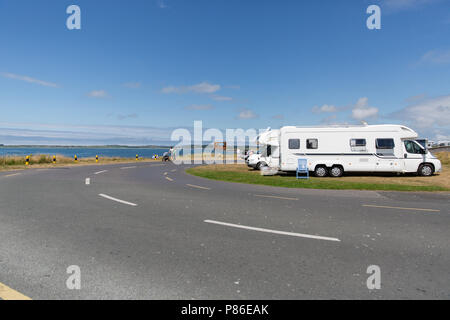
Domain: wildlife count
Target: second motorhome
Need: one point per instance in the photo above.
(339, 149)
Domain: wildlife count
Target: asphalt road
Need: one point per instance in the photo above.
(176, 236)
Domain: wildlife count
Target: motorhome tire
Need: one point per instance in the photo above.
(426, 170)
(259, 165)
(320, 171)
(336, 171)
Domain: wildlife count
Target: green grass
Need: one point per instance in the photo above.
(312, 183)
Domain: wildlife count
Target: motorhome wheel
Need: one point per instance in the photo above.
(320, 171)
(426, 170)
(336, 171)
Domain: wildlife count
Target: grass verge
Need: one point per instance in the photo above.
(383, 182)
(8, 163)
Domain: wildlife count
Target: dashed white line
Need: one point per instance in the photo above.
(173, 170)
(132, 167)
(292, 234)
(400, 208)
(12, 175)
(117, 200)
(165, 173)
(198, 187)
(275, 197)
(170, 179)
(103, 171)
(88, 181)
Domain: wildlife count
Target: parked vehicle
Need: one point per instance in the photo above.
(253, 161)
(335, 150)
(165, 157)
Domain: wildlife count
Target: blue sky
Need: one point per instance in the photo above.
(138, 69)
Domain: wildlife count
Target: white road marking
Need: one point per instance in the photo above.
(88, 181)
(400, 208)
(12, 175)
(117, 200)
(292, 234)
(165, 173)
(198, 187)
(101, 171)
(275, 197)
(173, 170)
(170, 179)
(132, 167)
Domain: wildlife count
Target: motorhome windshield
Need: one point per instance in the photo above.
(267, 152)
(413, 147)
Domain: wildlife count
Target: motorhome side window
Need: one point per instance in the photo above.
(294, 143)
(385, 144)
(385, 147)
(312, 144)
(358, 142)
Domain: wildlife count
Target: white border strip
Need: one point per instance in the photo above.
(117, 200)
(12, 175)
(399, 208)
(292, 234)
(198, 187)
(101, 171)
(275, 197)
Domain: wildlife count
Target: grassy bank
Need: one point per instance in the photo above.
(242, 174)
(45, 161)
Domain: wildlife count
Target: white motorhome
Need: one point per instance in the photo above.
(334, 150)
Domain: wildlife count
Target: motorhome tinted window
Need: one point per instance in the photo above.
(385, 144)
(312, 144)
(358, 142)
(294, 143)
(412, 147)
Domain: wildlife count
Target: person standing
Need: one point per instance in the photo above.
(172, 153)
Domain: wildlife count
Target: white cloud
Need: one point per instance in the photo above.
(98, 94)
(64, 134)
(416, 98)
(203, 87)
(199, 107)
(247, 114)
(399, 5)
(430, 113)
(436, 57)
(162, 4)
(362, 110)
(324, 109)
(29, 79)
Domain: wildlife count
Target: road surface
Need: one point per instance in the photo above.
(150, 231)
